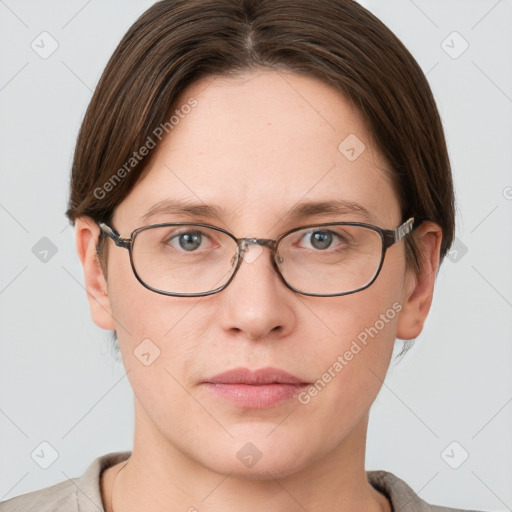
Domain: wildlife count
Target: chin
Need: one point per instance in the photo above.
(269, 467)
(255, 454)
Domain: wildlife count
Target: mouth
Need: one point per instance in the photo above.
(260, 389)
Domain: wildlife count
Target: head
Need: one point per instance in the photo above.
(254, 108)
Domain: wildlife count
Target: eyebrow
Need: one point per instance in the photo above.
(333, 207)
(297, 212)
(186, 208)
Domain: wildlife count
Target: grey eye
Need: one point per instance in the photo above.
(186, 240)
(190, 241)
(321, 239)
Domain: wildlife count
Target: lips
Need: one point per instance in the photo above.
(263, 388)
(256, 378)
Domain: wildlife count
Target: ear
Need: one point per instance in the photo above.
(86, 238)
(419, 286)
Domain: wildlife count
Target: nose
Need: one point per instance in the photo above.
(257, 303)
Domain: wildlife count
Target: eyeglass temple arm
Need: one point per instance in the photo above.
(392, 236)
(116, 237)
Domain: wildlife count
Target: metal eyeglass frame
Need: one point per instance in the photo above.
(389, 237)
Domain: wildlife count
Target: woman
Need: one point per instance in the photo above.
(262, 197)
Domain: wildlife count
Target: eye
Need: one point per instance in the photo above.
(188, 240)
(321, 239)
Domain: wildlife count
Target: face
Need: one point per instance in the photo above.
(255, 147)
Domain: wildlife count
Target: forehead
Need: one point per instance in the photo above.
(259, 143)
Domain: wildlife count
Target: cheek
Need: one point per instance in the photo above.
(352, 361)
(159, 338)
(350, 376)
(148, 324)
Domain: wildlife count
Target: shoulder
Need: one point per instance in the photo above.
(61, 496)
(402, 496)
(76, 494)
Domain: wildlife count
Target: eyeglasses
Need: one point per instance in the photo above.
(190, 260)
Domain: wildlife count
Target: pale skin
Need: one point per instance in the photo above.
(255, 146)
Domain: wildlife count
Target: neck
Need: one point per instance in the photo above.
(155, 477)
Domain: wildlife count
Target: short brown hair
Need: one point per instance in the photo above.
(176, 42)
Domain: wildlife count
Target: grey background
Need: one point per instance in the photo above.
(59, 381)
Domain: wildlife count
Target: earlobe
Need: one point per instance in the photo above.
(86, 237)
(419, 286)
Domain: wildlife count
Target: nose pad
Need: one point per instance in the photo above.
(253, 252)
(250, 250)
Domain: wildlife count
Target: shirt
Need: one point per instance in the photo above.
(83, 494)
